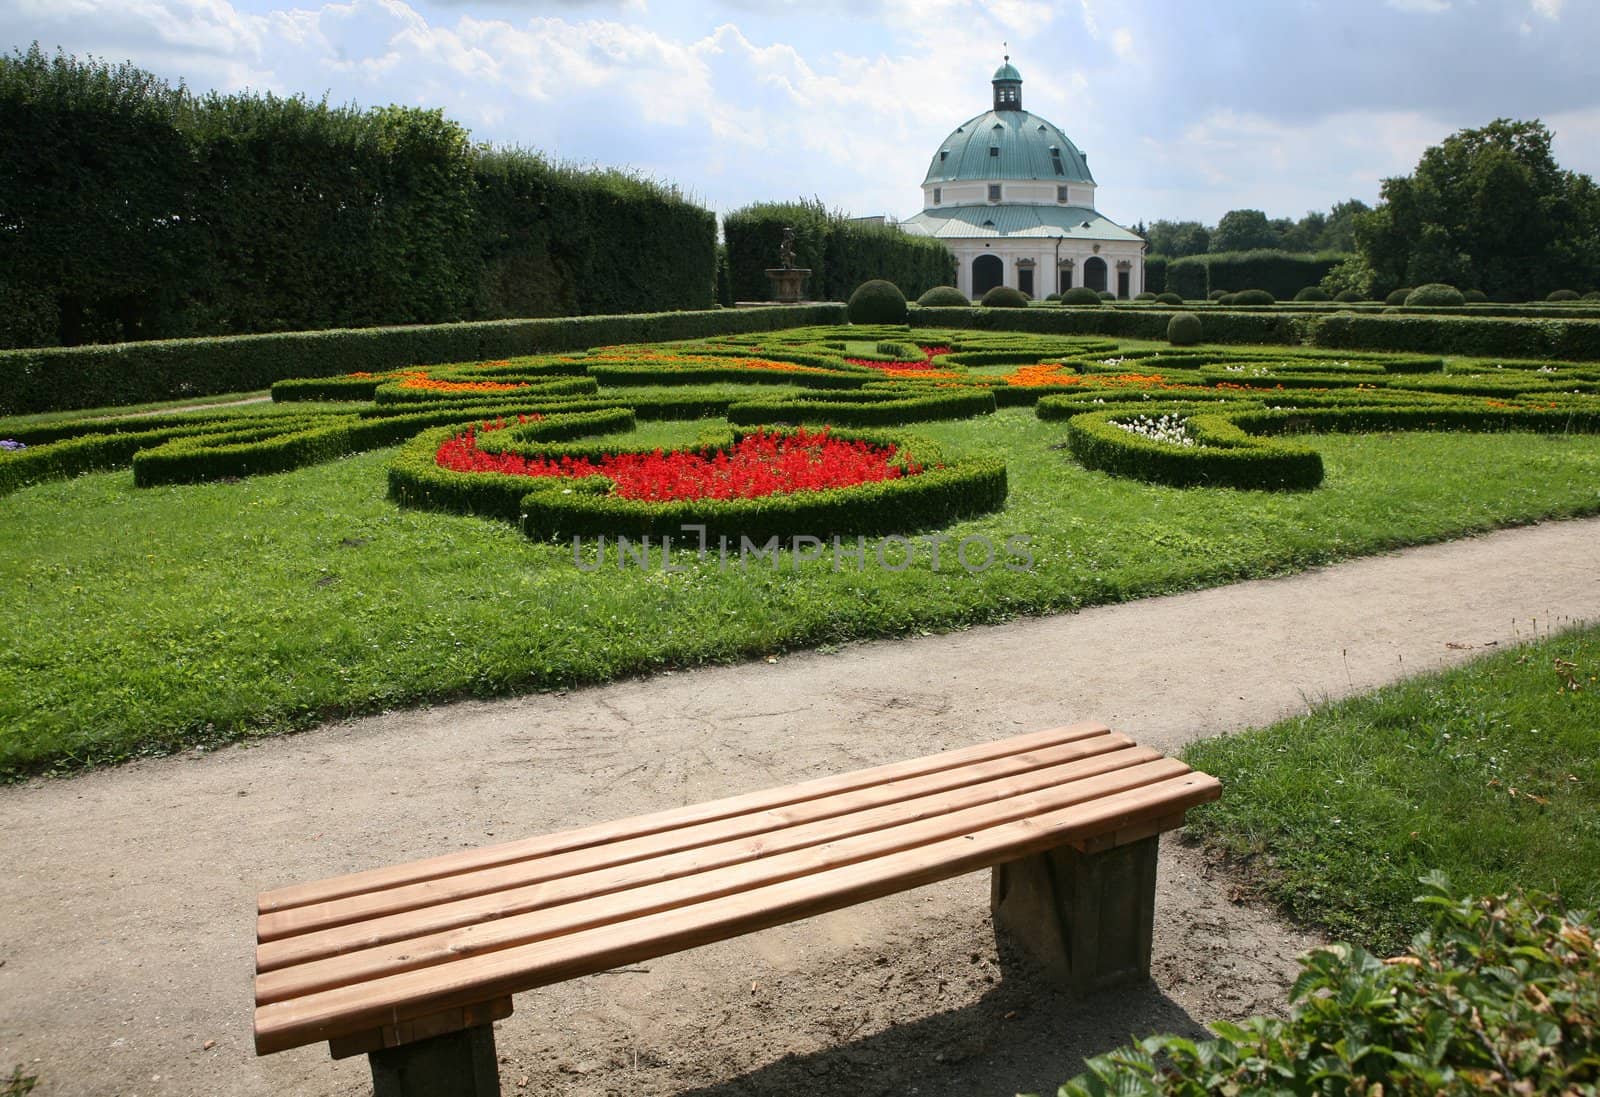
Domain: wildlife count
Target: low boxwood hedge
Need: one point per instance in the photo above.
(886, 410)
(1223, 455)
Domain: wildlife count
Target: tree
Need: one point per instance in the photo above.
(1242, 230)
(1339, 229)
(1488, 209)
(1177, 239)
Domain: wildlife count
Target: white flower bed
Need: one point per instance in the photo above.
(1158, 428)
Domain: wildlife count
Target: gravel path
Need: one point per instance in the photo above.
(126, 896)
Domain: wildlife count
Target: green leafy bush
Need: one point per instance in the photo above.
(1254, 297)
(1145, 296)
(1183, 329)
(1004, 297)
(1349, 296)
(1564, 295)
(1312, 293)
(877, 302)
(1592, 295)
(1483, 337)
(1434, 294)
(1228, 299)
(1080, 295)
(1474, 296)
(1107, 295)
(1169, 298)
(1216, 295)
(1280, 273)
(1219, 454)
(1501, 995)
(1398, 297)
(943, 296)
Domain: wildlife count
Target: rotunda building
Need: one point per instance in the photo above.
(1012, 197)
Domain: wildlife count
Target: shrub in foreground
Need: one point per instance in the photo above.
(1502, 995)
(877, 302)
(1080, 295)
(943, 297)
(1183, 329)
(1004, 297)
(1435, 294)
(1312, 293)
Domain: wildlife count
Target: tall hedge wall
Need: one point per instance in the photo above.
(1155, 273)
(134, 210)
(58, 378)
(839, 252)
(1280, 273)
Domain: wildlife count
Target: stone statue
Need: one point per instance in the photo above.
(786, 250)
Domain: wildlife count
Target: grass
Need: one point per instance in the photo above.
(1489, 772)
(143, 621)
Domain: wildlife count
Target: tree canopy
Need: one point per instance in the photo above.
(1486, 209)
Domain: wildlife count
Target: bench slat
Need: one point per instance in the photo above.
(488, 856)
(497, 920)
(395, 998)
(916, 793)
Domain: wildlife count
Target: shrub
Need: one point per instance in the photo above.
(1564, 295)
(1107, 295)
(1145, 296)
(877, 302)
(1183, 329)
(1080, 295)
(1052, 298)
(1501, 995)
(943, 297)
(1254, 297)
(1435, 294)
(1217, 294)
(1227, 299)
(1592, 295)
(1221, 455)
(1004, 297)
(1398, 297)
(1280, 273)
(1349, 296)
(1169, 298)
(1311, 293)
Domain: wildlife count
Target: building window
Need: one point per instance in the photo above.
(994, 150)
(1061, 194)
(994, 192)
(937, 196)
(944, 154)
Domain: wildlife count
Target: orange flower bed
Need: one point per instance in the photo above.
(701, 361)
(419, 381)
(1045, 373)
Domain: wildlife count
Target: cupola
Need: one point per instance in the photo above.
(1007, 87)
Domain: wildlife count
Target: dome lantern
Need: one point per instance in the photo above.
(1007, 87)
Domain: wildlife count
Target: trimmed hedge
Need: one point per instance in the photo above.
(885, 411)
(1004, 297)
(583, 507)
(1479, 337)
(1281, 273)
(1081, 295)
(1183, 329)
(1223, 455)
(131, 373)
(877, 302)
(1123, 323)
(1434, 294)
(941, 296)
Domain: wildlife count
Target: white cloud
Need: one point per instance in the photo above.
(1424, 7)
(1550, 9)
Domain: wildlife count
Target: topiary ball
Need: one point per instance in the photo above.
(1434, 295)
(1052, 298)
(943, 297)
(1217, 294)
(1145, 296)
(1226, 299)
(1169, 298)
(1107, 295)
(1080, 295)
(877, 302)
(1254, 297)
(1312, 293)
(1348, 295)
(1398, 297)
(1183, 330)
(1564, 295)
(1592, 295)
(1004, 297)
(1474, 296)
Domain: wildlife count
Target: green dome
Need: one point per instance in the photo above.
(1007, 71)
(1028, 148)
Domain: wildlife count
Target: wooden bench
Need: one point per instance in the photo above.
(413, 964)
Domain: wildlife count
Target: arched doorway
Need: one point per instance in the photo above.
(987, 273)
(1094, 273)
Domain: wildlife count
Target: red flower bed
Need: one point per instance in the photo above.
(918, 365)
(759, 464)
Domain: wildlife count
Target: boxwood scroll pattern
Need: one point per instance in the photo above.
(926, 490)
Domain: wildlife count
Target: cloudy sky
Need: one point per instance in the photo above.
(1186, 109)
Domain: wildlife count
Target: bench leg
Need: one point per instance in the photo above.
(457, 1064)
(1087, 918)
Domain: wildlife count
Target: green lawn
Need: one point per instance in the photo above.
(145, 620)
(1490, 773)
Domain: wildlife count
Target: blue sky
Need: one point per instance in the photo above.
(1187, 110)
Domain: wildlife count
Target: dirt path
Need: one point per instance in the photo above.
(126, 897)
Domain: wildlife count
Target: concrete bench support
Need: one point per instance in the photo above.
(1086, 918)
